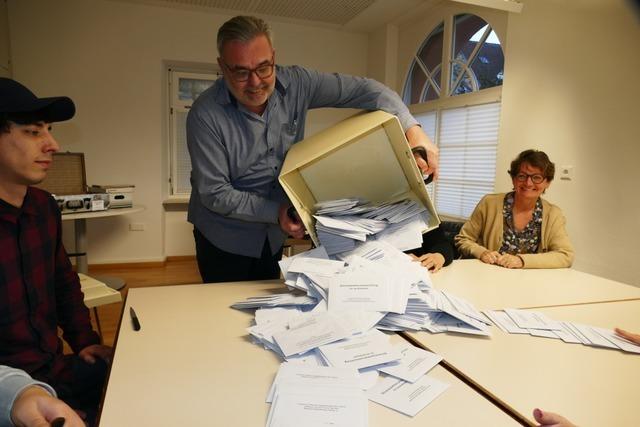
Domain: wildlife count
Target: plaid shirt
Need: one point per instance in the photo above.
(38, 289)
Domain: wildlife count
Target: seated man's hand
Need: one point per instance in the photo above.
(433, 262)
(89, 353)
(293, 228)
(416, 137)
(549, 419)
(34, 407)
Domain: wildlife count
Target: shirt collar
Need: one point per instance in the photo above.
(11, 213)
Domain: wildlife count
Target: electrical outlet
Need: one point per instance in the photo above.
(566, 173)
(136, 226)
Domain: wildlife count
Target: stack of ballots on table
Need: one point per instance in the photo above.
(306, 393)
(335, 322)
(375, 285)
(537, 324)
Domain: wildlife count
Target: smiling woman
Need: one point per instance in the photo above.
(519, 229)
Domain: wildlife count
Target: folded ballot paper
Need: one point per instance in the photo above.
(537, 324)
(337, 395)
(317, 396)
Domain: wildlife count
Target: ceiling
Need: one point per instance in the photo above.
(350, 15)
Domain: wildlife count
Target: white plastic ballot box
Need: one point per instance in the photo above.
(364, 156)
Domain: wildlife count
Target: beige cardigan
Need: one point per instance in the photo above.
(483, 231)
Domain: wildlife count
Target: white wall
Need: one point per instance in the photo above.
(108, 57)
(570, 89)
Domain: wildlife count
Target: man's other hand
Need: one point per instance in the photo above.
(294, 228)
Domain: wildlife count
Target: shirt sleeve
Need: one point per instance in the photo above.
(345, 91)
(12, 383)
(210, 171)
(73, 315)
(467, 241)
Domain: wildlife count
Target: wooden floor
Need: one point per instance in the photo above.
(172, 273)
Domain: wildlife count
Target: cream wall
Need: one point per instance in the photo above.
(567, 92)
(108, 57)
(570, 90)
(5, 68)
(383, 55)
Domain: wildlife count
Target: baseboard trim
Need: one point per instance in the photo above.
(145, 264)
(142, 264)
(181, 258)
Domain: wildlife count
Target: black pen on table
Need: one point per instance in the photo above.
(134, 319)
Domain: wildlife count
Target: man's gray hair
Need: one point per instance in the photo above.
(243, 28)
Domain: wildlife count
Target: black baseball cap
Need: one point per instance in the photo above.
(17, 99)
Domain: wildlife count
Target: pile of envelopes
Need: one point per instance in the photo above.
(329, 324)
(337, 394)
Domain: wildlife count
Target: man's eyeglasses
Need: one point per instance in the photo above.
(536, 178)
(263, 71)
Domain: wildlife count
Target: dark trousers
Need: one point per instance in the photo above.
(216, 265)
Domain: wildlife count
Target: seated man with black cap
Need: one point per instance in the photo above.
(39, 291)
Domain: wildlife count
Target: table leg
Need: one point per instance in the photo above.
(95, 313)
(82, 263)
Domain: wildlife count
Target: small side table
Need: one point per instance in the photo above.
(80, 222)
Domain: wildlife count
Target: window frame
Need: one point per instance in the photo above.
(177, 105)
(447, 100)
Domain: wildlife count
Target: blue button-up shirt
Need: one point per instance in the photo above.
(236, 155)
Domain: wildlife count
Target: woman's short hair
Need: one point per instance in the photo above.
(243, 28)
(537, 159)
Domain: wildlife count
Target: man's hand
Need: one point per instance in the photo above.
(34, 407)
(416, 137)
(292, 228)
(549, 419)
(89, 353)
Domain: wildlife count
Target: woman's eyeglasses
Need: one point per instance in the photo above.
(536, 178)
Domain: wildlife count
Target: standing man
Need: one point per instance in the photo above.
(39, 292)
(238, 134)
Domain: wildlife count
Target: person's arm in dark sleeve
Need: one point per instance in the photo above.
(73, 315)
(435, 241)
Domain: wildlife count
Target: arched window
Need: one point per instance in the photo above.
(461, 56)
(423, 83)
(477, 61)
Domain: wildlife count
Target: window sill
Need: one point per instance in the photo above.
(175, 202)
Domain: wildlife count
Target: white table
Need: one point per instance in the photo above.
(590, 386)
(493, 287)
(80, 226)
(192, 363)
(97, 293)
